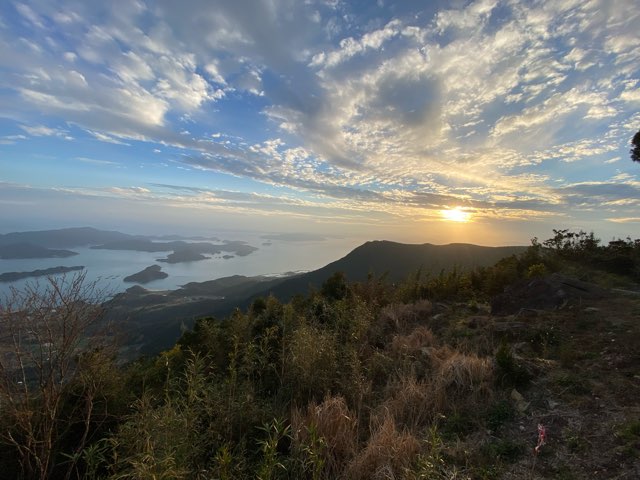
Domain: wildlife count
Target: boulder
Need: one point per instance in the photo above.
(545, 293)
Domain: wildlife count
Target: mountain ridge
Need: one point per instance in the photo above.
(159, 323)
(396, 261)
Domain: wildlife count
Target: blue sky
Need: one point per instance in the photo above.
(336, 117)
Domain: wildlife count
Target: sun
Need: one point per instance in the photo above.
(456, 215)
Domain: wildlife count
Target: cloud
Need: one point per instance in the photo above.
(625, 220)
(28, 14)
(350, 46)
(103, 137)
(43, 131)
(398, 111)
(94, 161)
(11, 139)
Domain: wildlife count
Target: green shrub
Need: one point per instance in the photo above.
(499, 413)
(510, 372)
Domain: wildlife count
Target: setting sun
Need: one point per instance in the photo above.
(456, 215)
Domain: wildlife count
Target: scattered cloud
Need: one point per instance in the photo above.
(513, 110)
(625, 220)
(94, 161)
(44, 131)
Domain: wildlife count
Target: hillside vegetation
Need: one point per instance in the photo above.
(416, 379)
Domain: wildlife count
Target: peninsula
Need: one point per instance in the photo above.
(24, 250)
(13, 276)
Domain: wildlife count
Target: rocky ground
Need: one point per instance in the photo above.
(584, 360)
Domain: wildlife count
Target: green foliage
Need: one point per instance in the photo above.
(499, 413)
(504, 450)
(537, 270)
(631, 431)
(375, 379)
(335, 287)
(313, 453)
(510, 372)
(620, 257)
(272, 464)
(313, 362)
(457, 424)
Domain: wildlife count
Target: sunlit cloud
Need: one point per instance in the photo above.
(509, 110)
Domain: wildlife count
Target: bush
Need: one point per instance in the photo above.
(388, 451)
(509, 371)
(326, 434)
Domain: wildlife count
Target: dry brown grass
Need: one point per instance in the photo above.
(387, 454)
(461, 380)
(455, 382)
(409, 402)
(413, 343)
(398, 316)
(335, 423)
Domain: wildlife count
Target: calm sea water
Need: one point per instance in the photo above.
(109, 267)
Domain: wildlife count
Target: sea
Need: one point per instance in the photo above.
(108, 268)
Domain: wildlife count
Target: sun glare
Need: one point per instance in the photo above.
(456, 215)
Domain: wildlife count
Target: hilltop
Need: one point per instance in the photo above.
(159, 317)
(396, 261)
(523, 369)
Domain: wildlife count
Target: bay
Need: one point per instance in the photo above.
(109, 267)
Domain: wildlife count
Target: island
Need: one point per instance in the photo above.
(23, 250)
(13, 276)
(184, 255)
(144, 245)
(154, 272)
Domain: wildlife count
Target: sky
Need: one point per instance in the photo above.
(488, 121)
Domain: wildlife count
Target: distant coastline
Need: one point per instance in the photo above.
(24, 250)
(13, 276)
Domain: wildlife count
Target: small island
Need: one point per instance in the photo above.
(149, 274)
(184, 255)
(24, 250)
(13, 276)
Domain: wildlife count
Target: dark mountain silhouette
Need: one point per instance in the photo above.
(396, 261)
(157, 317)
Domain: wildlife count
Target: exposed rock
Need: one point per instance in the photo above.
(547, 293)
(521, 404)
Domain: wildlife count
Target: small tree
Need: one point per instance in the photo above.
(46, 334)
(635, 151)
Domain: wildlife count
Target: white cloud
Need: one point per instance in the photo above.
(106, 138)
(464, 104)
(555, 108)
(27, 12)
(94, 161)
(350, 46)
(40, 130)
